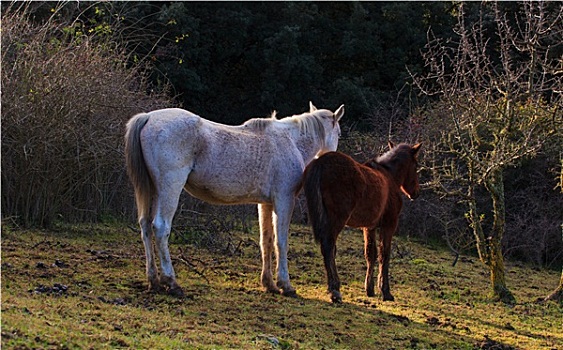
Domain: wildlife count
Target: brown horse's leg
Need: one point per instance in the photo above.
(385, 236)
(328, 249)
(370, 252)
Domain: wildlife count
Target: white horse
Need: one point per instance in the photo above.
(260, 161)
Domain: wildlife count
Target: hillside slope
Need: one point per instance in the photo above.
(84, 287)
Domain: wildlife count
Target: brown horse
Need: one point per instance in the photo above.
(341, 191)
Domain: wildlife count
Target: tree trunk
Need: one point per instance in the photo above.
(557, 294)
(496, 266)
(495, 186)
(475, 221)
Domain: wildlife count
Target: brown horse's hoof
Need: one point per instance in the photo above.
(388, 297)
(155, 289)
(336, 297)
(290, 293)
(272, 289)
(176, 291)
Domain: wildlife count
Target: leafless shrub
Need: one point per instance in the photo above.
(391, 120)
(213, 227)
(65, 100)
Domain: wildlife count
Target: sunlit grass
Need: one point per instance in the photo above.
(106, 305)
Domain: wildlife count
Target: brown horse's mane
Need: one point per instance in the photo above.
(391, 158)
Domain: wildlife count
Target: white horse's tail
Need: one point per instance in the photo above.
(136, 166)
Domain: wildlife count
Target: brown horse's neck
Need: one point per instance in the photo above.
(387, 169)
(392, 162)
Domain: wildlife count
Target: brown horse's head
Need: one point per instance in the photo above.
(403, 164)
(410, 186)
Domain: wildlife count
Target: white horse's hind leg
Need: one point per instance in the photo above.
(146, 235)
(168, 193)
(282, 216)
(266, 246)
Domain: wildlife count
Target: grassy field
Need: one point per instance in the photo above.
(84, 288)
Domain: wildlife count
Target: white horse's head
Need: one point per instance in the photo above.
(331, 126)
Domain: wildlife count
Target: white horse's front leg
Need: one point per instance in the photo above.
(282, 217)
(266, 246)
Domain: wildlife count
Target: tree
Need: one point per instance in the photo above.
(557, 294)
(498, 85)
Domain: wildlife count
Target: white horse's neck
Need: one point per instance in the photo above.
(307, 132)
(308, 145)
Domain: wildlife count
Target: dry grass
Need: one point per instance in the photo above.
(84, 287)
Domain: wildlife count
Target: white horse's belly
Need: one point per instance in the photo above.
(213, 194)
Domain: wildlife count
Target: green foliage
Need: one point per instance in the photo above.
(258, 57)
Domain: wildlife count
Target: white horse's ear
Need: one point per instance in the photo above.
(312, 107)
(391, 145)
(339, 113)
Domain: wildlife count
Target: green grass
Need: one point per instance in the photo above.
(84, 288)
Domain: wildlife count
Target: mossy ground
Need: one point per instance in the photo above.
(84, 288)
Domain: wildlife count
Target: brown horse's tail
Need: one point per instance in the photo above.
(136, 166)
(316, 209)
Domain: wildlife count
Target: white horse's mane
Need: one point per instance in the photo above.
(308, 123)
(260, 124)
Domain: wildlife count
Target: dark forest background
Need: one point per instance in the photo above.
(74, 72)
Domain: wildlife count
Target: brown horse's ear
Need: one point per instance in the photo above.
(416, 148)
(391, 145)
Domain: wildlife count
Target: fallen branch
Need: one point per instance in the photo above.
(185, 260)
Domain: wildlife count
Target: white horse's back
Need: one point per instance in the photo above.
(226, 164)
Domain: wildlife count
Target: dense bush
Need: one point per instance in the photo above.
(65, 98)
(235, 60)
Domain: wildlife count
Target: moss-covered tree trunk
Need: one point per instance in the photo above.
(495, 187)
(475, 224)
(557, 294)
(494, 94)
